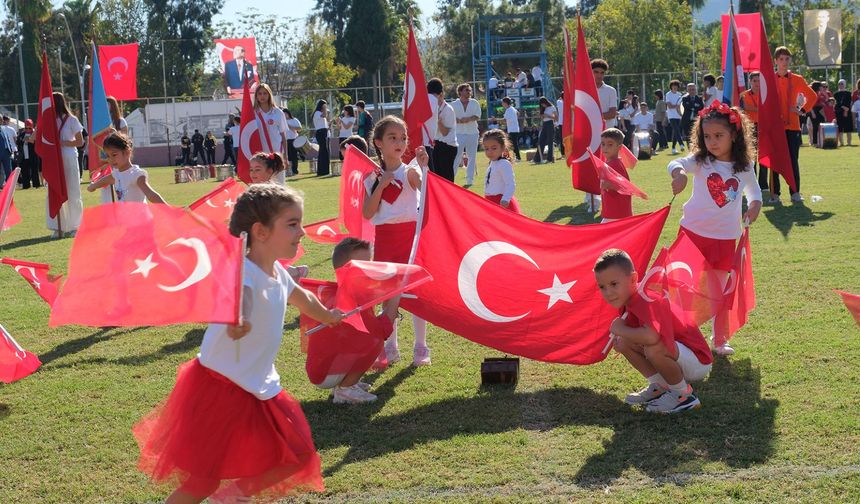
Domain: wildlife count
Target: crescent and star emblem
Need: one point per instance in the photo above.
(202, 266)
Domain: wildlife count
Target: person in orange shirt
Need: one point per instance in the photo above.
(750, 103)
(790, 86)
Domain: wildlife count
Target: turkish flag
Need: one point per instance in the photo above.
(693, 287)
(619, 183)
(47, 286)
(416, 101)
(628, 159)
(150, 265)
(852, 302)
(732, 66)
(356, 167)
(364, 284)
(218, 203)
(749, 34)
(250, 142)
(772, 144)
(518, 285)
(15, 362)
(341, 349)
(740, 288)
(119, 68)
(569, 93)
(9, 215)
(300, 251)
(48, 144)
(587, 121)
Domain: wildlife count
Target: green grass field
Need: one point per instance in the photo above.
(780, 420)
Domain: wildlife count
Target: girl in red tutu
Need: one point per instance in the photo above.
(391, 205)
(500, 184)
(228, 430)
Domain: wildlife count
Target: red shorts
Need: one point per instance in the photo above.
(720, 254)
(514, 206)
(393, 242)
(335, 352)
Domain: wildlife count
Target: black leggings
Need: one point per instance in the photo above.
(675, 131)
(293, 156)
(323, 167)
(547, 132)
(444, 157)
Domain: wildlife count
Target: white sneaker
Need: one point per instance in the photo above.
(796, 197)
(646, 395)
(392, 352)
(724, 350)
(672, 402)
(674, 150)
(774, 200)
(421, 357)
(352, 395)
(363, 386)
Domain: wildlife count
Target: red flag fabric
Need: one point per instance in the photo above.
(512, 283)
(772, 144)
(693, 287)
(740, 287)
(327, 231)
(569, 93)
(619, 184)
(218, 203)
(249, 137)
(749, 38)
(300, 251)
(416, 100)
(48, 144)
(9, 215)
(325, 291)
(47, 286)
(852, 302)
(162, 265)
(15, 362)
(588, 121)
(119, 67)
(628, 159)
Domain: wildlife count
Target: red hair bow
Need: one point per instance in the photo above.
(270, 156)
(723, 109)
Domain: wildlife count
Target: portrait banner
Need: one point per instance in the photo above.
(238, 58)
(822, 29)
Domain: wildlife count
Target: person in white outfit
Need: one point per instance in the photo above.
(71, 137)
(468, 112)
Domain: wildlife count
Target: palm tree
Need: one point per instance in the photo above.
(32, 14)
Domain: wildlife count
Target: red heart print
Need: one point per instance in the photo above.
(722, 192)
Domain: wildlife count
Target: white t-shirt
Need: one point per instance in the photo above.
(404, 208)
(522, 80)
(123, 124)
(125, 183)
(643, 121)
(473, 108)
(703, 214)
(292, 135)
(493, 83)
(431, 124)
(627, 112)
(320, 122)
(255, 369)
(449, 120)
(559, 106)
(234, 132)
(547, 113)
(855, 108)
(11, 135)
(71, 127)
(500, 179)
(673, 98)
(276, 124)
(346, 126)
(608, 97)
(714, 94)
(537, 73)
(512, 122)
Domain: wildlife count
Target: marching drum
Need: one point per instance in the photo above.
(312, 165)
(200, 172)
(181, 175)
(335, 166)
(307, 148)
(642, 145)
(224, 172)
(827, 136)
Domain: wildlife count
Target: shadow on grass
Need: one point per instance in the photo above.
(26, 242)
(785, 217)
(573, 215)
(190, 341)
(736, 425)
(79, 344)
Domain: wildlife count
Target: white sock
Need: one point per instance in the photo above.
(419, 325)
(681, 388)
(391, 342)
(657, 379)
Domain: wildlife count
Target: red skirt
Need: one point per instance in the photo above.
(393, 242)
(513, 206)
(211, 434)
(344, 350)
(720, 254)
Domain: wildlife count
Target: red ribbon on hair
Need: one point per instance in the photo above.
(721, 108)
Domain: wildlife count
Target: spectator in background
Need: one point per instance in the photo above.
(522, 79)
(197, 141)
(692, 104)
(843, 112)
(468, 113)
(673, 113)
(237, 140)
(7, 148)
(209, 144)
(185, 144)
(27, 159)
(509, 81)
(293, 129)
(117, 121)
(444, 131)
(661, 121)
(227, 140)
(709, 94)
(559, 124)
(537, 74)
(364, 121)
(512, 124)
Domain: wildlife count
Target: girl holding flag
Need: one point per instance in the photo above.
(71, 137)
(274, 134)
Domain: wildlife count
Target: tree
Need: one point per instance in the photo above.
(334, 15)
(366, 47)
(32, 14)
(315, 63)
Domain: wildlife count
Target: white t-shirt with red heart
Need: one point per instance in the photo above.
(714, 209)
(399, 201)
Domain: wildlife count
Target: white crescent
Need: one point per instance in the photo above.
(410, 91)
(120, 60)
(584, 102)
(679, 265)
(201, 269)
(467, 277)
(732, 279)
(46, 104)
(648, 274)
(245, 138)
(378, 271)
(355, 187)
(325, 229)
(209, 201)
(31, 269)
(763, 88)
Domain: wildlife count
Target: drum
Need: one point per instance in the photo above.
(181, 175)
(223, 172)
(335, 166)
(312, 164)
(827, 136)
(642, 145)
(200, 172)
(307, 148)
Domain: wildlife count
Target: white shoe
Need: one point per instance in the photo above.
(352, 395)
(391, 352)
(363, 386)
(796, 197)
(55, 234)
(724, 350)
(673, 402)
(421, 357)
(646, 395)
(674, 150)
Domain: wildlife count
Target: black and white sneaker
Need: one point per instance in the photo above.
(672, 402)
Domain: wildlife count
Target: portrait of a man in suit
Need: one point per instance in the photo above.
(823, 37)
(236, 70)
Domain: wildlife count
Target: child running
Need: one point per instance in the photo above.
(615, 205)
(721, 162)
(500, 184)
(130, 181)
(391, 205)
(228, 428)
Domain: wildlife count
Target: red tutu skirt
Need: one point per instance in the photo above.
(513, 206)
(720, 254)
(393, 242)
(212, 435)
(345, 350)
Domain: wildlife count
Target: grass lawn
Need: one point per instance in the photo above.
(780, 420)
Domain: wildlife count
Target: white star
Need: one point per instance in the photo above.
(117, 76)
(229, 203)
(558, 291)
(354, 202)
(144, 266)
(36, 284)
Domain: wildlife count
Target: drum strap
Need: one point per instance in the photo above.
(264, 132)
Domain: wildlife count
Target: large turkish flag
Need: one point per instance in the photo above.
(119, 70)
(749, 38)
(218, 203)
(588, 121)
(519, 285)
